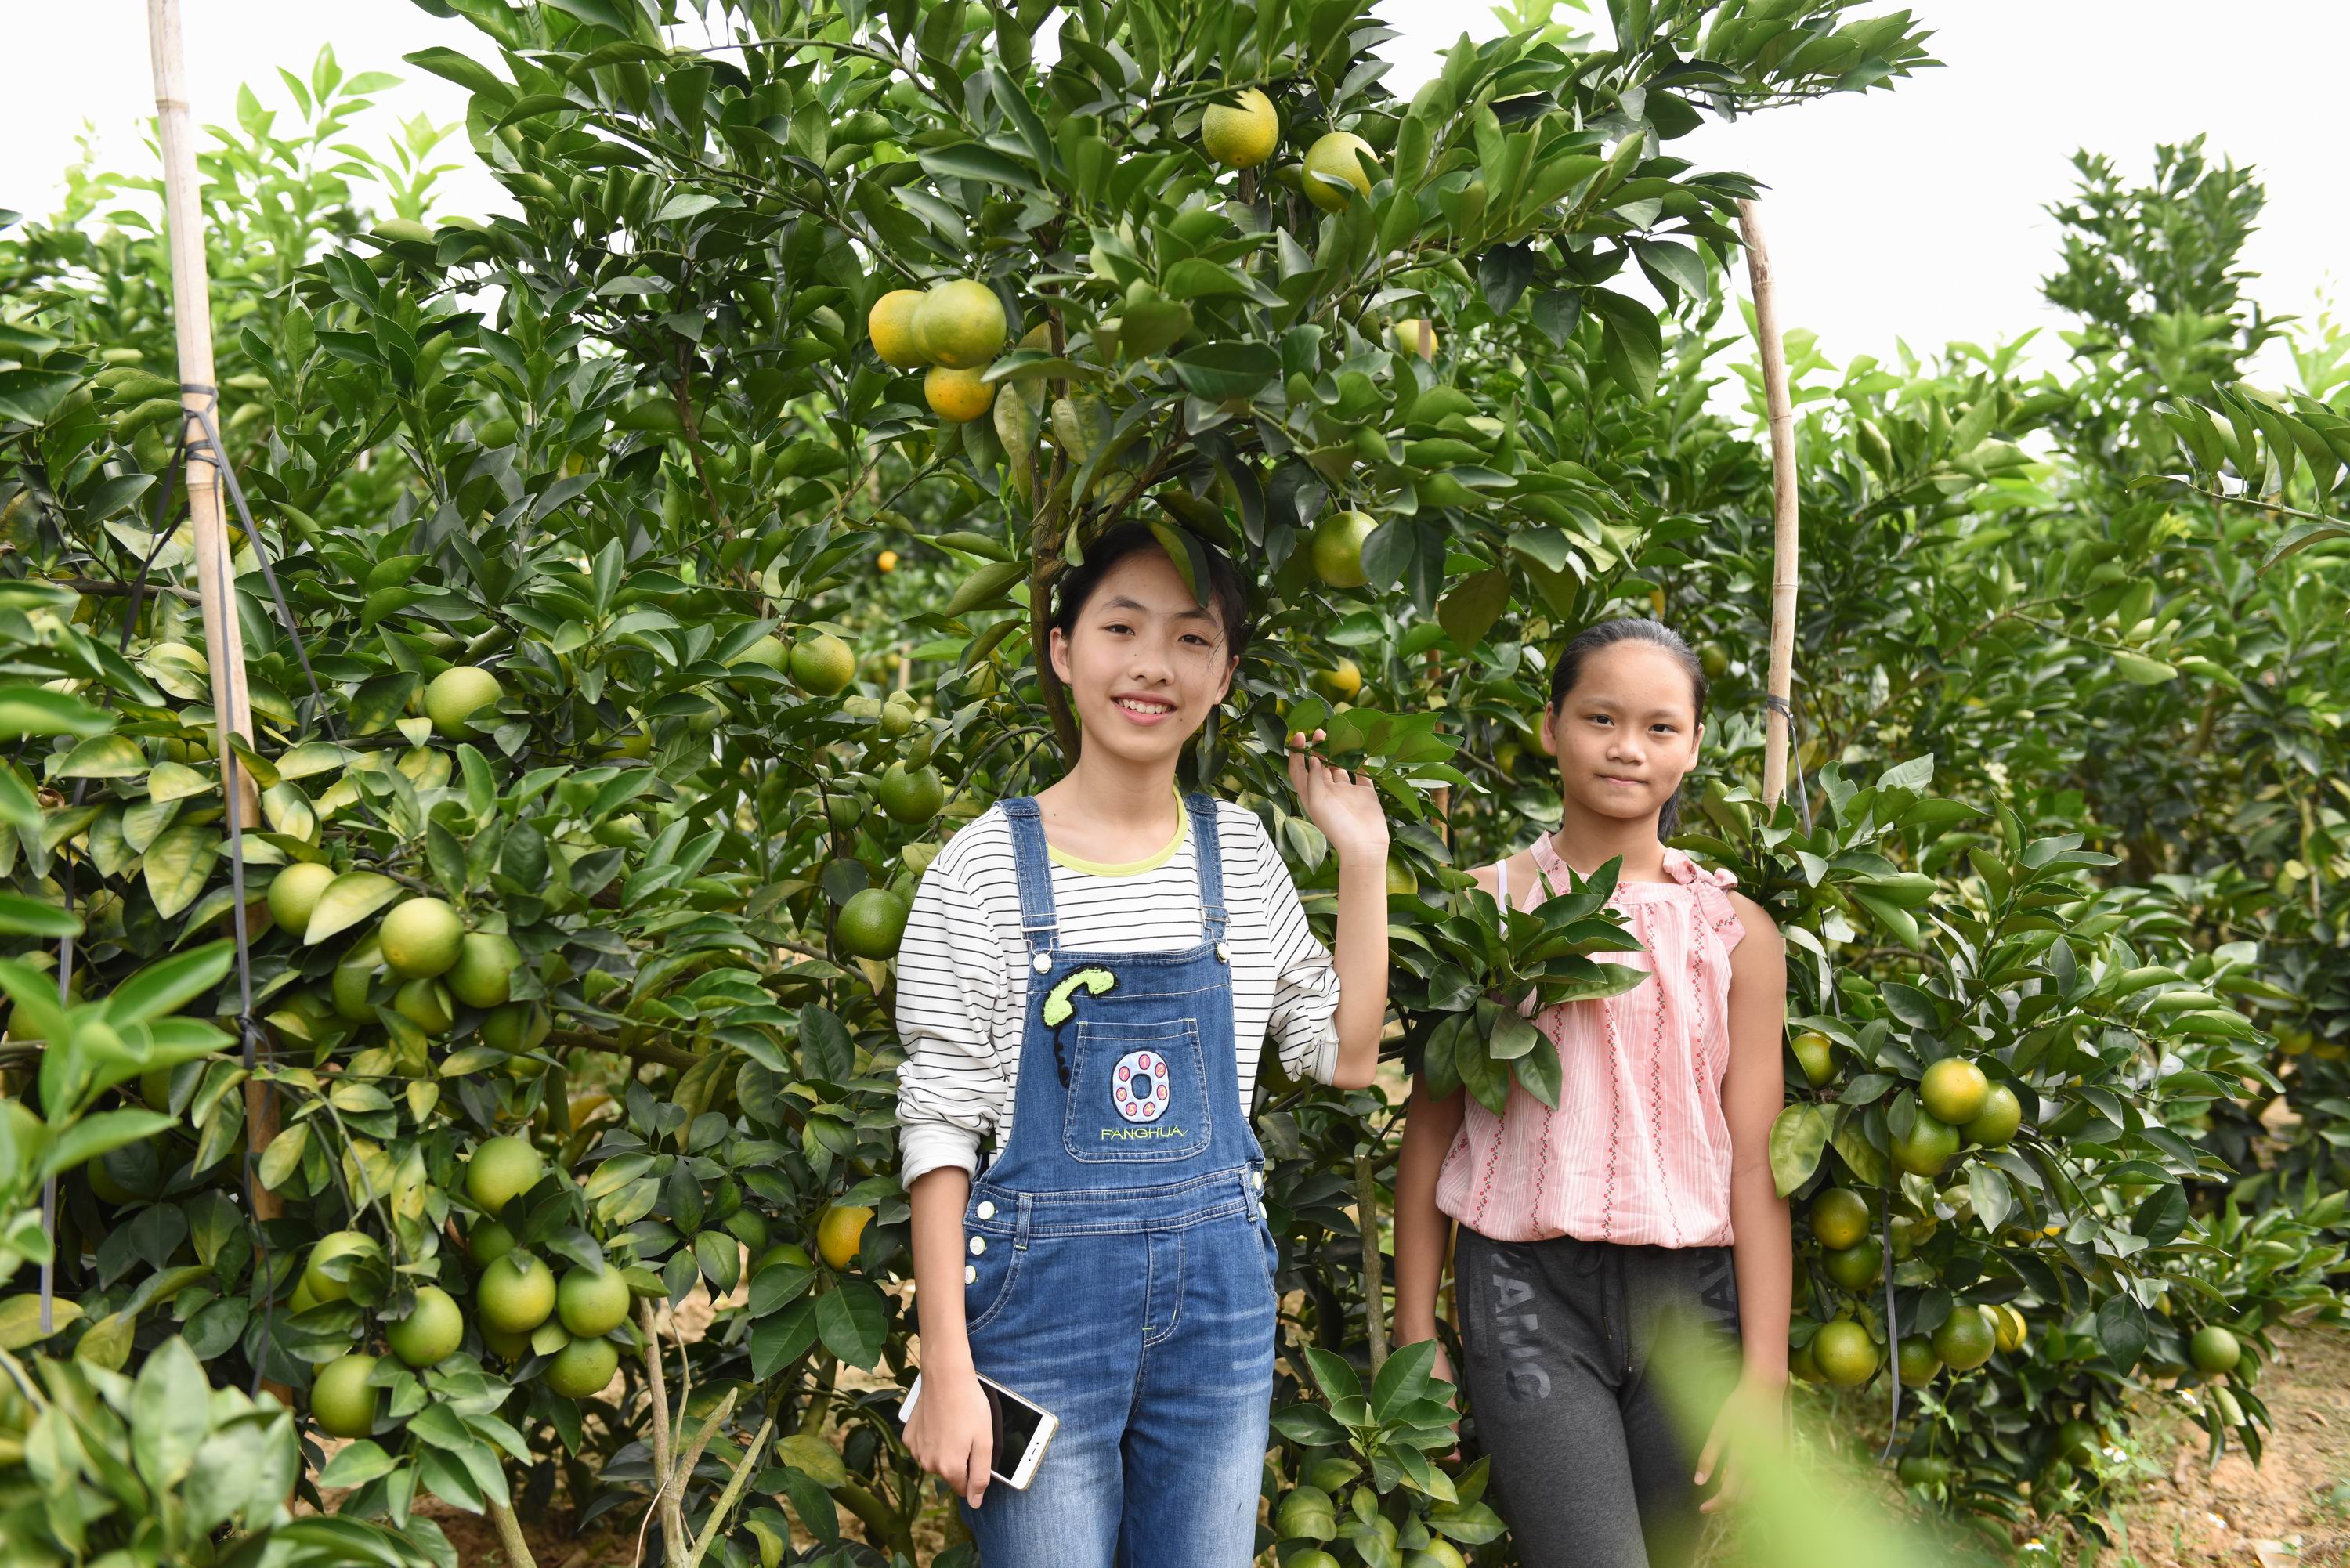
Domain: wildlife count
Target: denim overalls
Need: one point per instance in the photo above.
(1119, 1270)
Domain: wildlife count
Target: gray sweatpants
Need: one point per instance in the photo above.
(1583, 1363)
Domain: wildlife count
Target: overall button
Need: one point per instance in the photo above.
(986, 1210)
(970, 1274)
(1223, 953)
(978, 1245)
(1043, 964)
(1260, 1181)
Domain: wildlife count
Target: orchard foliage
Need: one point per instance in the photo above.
(663, 628)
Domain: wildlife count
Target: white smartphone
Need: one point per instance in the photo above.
(1021, 1428)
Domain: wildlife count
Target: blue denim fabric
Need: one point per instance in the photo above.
(1120, 1270)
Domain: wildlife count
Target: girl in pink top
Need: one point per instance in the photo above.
(1647, 1196)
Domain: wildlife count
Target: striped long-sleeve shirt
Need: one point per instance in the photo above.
(963, 971)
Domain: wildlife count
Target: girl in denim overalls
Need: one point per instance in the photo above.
(1099, 967)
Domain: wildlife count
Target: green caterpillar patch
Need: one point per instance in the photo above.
(1059, 1003)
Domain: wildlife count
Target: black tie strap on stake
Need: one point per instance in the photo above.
(212, 452)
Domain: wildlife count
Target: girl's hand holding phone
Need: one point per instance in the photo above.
(1346, 807)
(952, 1434)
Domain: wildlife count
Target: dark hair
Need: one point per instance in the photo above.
(1227, 594)
(1608, 634)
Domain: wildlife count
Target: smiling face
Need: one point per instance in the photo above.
(1627, 731)
(1145, 663)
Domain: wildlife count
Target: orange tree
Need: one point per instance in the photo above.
(578, 880)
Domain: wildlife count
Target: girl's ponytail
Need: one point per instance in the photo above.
(1606, 634)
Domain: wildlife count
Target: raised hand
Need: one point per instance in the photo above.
(1345, 807)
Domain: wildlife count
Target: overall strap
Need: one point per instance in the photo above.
(1038, 921)
(1208, 846)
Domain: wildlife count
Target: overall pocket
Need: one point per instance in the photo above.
(988, 1280)
(1137, 1093)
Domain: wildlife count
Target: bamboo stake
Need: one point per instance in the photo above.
(1783, 472)
(192, 318)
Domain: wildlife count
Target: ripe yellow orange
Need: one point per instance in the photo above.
(1340, 682)
(957, 397)
(890, 325)
(1415, 337)
(887, 561)
(960, 325)
(1242, 133)
(2012, 1329)
(1336, 156)
(1953, 1090)
(841, 1231)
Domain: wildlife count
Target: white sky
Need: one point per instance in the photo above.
(1910, 214)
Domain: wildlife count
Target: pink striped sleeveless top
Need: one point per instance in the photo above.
(1637, 1151)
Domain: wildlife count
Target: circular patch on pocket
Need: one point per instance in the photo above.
(1141, 1088)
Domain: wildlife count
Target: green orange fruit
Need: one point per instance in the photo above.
(1994, 1125)
(1844, 1354)
(872, 923)
(2214, 1351)
(1815, 1055)
(1967, 1337)
(421, 938)
(582, 1368)
(1839, 1217)
(1336, 157)
(430, 1332)
(425, 1003)
(324, 1286)
(1930, 1145)
(1337, 548)
(502, 1169)
(1857, 1267)
(822, 664)
(340, 1398)
(457, 695)
(516, 1294)
(293, 893)
(1917, 1362)
(911, 795)
(483, 975)
(592, 1303)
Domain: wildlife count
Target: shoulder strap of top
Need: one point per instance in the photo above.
(1207, 845)
(1039, 923)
